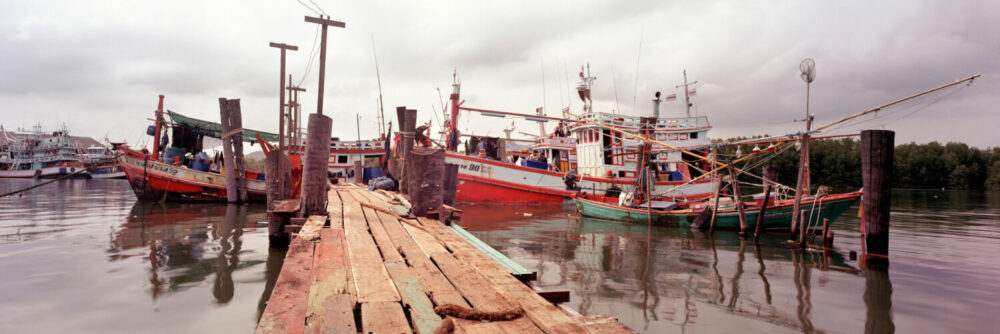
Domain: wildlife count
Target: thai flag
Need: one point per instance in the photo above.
(671, 97)
(692, 92)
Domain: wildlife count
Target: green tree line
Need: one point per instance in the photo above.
(837, 163)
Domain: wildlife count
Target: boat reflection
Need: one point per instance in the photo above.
(664, 279)
(179, 241)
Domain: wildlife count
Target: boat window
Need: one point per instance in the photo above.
(341, 159)
(684, 136)
(694, 135)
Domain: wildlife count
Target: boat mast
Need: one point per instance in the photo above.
(687, 95)
(456, 87)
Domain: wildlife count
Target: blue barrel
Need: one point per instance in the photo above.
(151, 130)
(534, 164)
(199, 166)
(676, 176)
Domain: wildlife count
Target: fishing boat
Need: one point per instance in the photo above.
(778, 215)
(590, 154)
(173, 175)
(36, 154)
(102, 163)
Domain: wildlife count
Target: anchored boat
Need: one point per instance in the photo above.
(36, 154)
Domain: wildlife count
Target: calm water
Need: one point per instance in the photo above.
(84, 256)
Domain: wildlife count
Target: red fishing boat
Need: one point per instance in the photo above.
(173, 175)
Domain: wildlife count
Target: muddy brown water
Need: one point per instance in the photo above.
(85, 256)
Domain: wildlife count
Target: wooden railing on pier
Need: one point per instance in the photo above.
(391, 272)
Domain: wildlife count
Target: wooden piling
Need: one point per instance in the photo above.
(450, 183)
(827, 234)
(738, 199)
(802, 185)
(407, 125)
(232, 194)
(876, 167)
(426, 179)
(359, 172)
(236, 124)
(770, 174)
(715, 205)
(276, 192)
(314, 173)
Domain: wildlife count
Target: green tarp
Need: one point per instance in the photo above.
(213, 129)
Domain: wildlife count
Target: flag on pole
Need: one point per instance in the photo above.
(671, 97)
(692, 92)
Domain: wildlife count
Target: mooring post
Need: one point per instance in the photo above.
(317, 158)
(407, 126)
(802, 185)
(450, 183)
(715, 201)
(359, 172)
(876, 168)
(276, 191)
(738, 198)
(426, 179)
(770, 175)
(232, 194)
(236, 125)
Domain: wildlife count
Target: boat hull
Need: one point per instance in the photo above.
(485, 181)
(779, 216)
(45, 172)
(111, 175)
(153, 180)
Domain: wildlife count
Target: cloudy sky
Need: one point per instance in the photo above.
(99, 65)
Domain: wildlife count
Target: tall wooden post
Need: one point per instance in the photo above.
(236, 123)
(876, 167)
(801, 186)
(281, 114)
(325, 22)
(232, 194)
(450, 183)
(738, 198)
(407, 125)
(314, 173)
(770, 174)
(158, 128)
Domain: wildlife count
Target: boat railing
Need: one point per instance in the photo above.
(661, 123)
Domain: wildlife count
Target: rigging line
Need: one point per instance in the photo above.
(312, 57)
(318, 7)
(893, 112)
(635, 86)
(307, 6)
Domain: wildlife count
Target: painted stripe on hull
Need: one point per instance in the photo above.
(46, 172)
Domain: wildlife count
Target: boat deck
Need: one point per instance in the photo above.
(372, 271)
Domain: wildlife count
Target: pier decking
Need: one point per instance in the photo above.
(372, 271)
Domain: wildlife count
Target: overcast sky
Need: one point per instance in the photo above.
(99, 65)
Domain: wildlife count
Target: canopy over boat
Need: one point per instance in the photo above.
(214, 130)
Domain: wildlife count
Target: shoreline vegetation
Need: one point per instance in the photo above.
(837, 163)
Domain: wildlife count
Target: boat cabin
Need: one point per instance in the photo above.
(602, 152)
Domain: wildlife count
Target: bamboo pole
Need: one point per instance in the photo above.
(715, 207)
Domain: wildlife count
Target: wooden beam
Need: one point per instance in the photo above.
(383, 317)
(320, 20)
(366, 262)
(310, 231)
(331, 291)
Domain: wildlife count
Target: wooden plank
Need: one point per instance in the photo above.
(513, 267)
(604, 324)
(335, 316)
(439, 288)
(330, 280)
(412, 293)
(335, 209)
(385, 245)
(471, 284)
(427, 242)
(383, 317)
(477, 327)
(286, 308)
(371, 281)
(545, 315)
(287, 206)
(310, 231)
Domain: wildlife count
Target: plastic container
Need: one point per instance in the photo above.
(171, 153)
(534, 164)
(199, 166)
(676, 176)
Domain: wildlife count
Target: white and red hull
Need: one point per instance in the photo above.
(494, 182)
(44, 172)
(155, 180)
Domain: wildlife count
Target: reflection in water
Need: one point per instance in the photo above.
(179, 236)
(878, 297)
(275, 259)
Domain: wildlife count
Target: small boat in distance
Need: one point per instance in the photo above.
(102, 163)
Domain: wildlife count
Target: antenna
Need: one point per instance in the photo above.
(687, 92)
(378, 76)
(544, 106)
(614, 83)
(808, 69)
(635, 86)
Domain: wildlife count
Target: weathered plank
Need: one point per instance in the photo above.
(473, 286)
(440, 289)
(336, 316)
(287, 206)
(383, 317)
(477, 327)
(427, 242)
(331, 275)
(310, 231)
(335, 209)
(412, 292)
(371, 281)
(385, 245)
(604, 324)
(545, 315)
(286, 308)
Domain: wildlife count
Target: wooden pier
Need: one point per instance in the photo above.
(372, 271)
